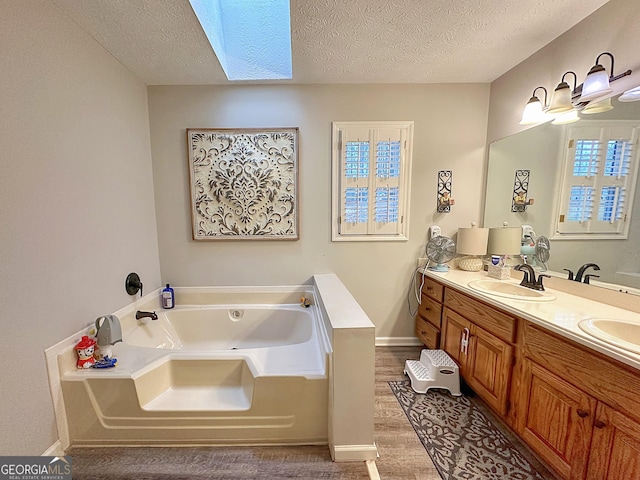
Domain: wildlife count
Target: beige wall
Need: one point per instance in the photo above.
(449, 134)
(76, 202)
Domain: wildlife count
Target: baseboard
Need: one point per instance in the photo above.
(397, 342)
(353, 453)
(54, 450)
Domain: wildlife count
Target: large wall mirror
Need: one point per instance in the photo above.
(541, 150)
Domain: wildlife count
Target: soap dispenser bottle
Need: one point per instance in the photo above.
(168, 298)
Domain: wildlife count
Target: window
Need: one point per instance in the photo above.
(371, 164)
(599, 177)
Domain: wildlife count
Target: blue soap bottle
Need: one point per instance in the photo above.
(168, 298)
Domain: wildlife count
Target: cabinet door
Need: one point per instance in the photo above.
(615, 448)
(556, 421)
(454, 327)
(489, 368)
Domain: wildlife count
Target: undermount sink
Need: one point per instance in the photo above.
(620, 333)
(510, 290)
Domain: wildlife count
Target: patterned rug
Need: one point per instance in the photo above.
(462, 442)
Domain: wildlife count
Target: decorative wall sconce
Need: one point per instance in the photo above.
(561, 97)
(534, 110)
(597, 83)
(567, 117)
(520, 202)
(444, 191)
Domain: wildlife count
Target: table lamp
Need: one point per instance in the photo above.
(472, 242)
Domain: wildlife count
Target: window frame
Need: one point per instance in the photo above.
(564, 185)
(404, 180)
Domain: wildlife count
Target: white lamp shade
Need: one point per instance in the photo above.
(568, 117)
(632, 95)
(595, 85)
(599, 107)
(504, 241)
(532, 112)
(472, 241)
(561, 99)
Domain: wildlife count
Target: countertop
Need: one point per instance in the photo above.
(561, 315)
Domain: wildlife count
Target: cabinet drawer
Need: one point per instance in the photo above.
(427, 333)
(604, 379)
(430, 310)
(493, 321)
(433, 289)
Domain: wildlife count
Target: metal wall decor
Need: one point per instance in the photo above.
(444, 191)
(244, 183)
(520, 191)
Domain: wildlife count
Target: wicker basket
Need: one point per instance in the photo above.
(501, 273)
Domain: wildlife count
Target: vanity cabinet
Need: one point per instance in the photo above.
(579, 410)
(428, 318)
(480, 339)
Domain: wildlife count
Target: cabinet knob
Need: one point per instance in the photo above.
(599, 424)
(582, 413)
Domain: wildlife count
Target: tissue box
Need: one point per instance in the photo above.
(501, 273)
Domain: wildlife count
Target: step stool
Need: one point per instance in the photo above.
(435, 369)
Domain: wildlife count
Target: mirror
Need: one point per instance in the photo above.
(539, 149)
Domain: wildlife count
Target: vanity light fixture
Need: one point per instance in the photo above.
(597, 82)
(561, 97)
(534, 110)
(567, 117)
(599, 107)
(632, 95)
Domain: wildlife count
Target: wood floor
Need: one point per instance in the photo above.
(402, 456)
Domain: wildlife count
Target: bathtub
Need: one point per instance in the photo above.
(206, 374)
(228, 365)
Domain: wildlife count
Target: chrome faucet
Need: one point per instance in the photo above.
(142, 314)
(582, 270)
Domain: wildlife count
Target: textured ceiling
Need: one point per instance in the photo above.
(340, 41)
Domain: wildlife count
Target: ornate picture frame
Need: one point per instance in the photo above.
(243, 183)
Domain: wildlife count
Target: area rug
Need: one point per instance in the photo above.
(462, 442)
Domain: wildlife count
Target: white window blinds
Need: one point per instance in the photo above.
(599, 179)
(372, 166)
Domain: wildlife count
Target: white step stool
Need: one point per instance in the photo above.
(435, 369)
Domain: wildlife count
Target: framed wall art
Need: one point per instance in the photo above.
(243, 183)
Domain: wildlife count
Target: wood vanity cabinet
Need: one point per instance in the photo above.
(428, 319)
(579, 410)
(480, 339)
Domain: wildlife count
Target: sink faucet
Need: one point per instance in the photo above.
(529, 279)
(582, 270)
(141, 314)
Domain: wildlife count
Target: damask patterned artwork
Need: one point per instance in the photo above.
(244, 183)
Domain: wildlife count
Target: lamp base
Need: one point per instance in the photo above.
(470, 264)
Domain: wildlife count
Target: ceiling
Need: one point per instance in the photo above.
(340, 41)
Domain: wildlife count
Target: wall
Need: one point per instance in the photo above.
(449, 134)
(76, 202)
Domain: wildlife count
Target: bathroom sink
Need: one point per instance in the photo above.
(513, 291)
(620, 333)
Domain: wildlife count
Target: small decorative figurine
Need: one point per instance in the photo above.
(85, 349)
(305, 302)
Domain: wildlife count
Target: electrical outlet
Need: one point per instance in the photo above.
(434, 231)
(422, 261)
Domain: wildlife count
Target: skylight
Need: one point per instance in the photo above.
(251, 38)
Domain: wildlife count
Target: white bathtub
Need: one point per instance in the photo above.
(225, 327)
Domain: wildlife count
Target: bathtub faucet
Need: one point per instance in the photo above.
(141, 314)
